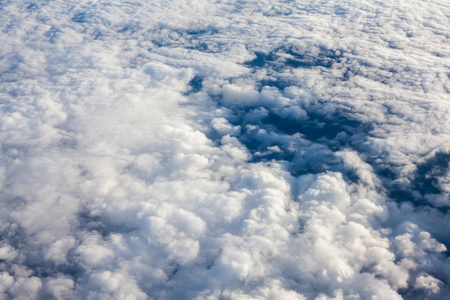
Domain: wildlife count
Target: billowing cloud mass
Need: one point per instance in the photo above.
(219, 149)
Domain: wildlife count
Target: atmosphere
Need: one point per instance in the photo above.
(225, 149)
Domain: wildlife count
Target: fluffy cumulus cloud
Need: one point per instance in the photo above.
(224, 150)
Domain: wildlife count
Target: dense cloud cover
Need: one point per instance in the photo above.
(218, 149)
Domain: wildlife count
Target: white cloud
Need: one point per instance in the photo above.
(224, 150)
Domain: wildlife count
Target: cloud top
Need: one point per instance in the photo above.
(224, 150)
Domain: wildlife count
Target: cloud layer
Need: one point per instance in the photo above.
(224, 150)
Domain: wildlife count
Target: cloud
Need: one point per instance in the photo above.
(224, 150)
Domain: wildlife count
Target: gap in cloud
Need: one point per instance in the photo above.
(195, 85)
(306, 145)
(424, 188)
(317, 127)
(322, 135)
(81, 17)
(290, 56)
(32, 258)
